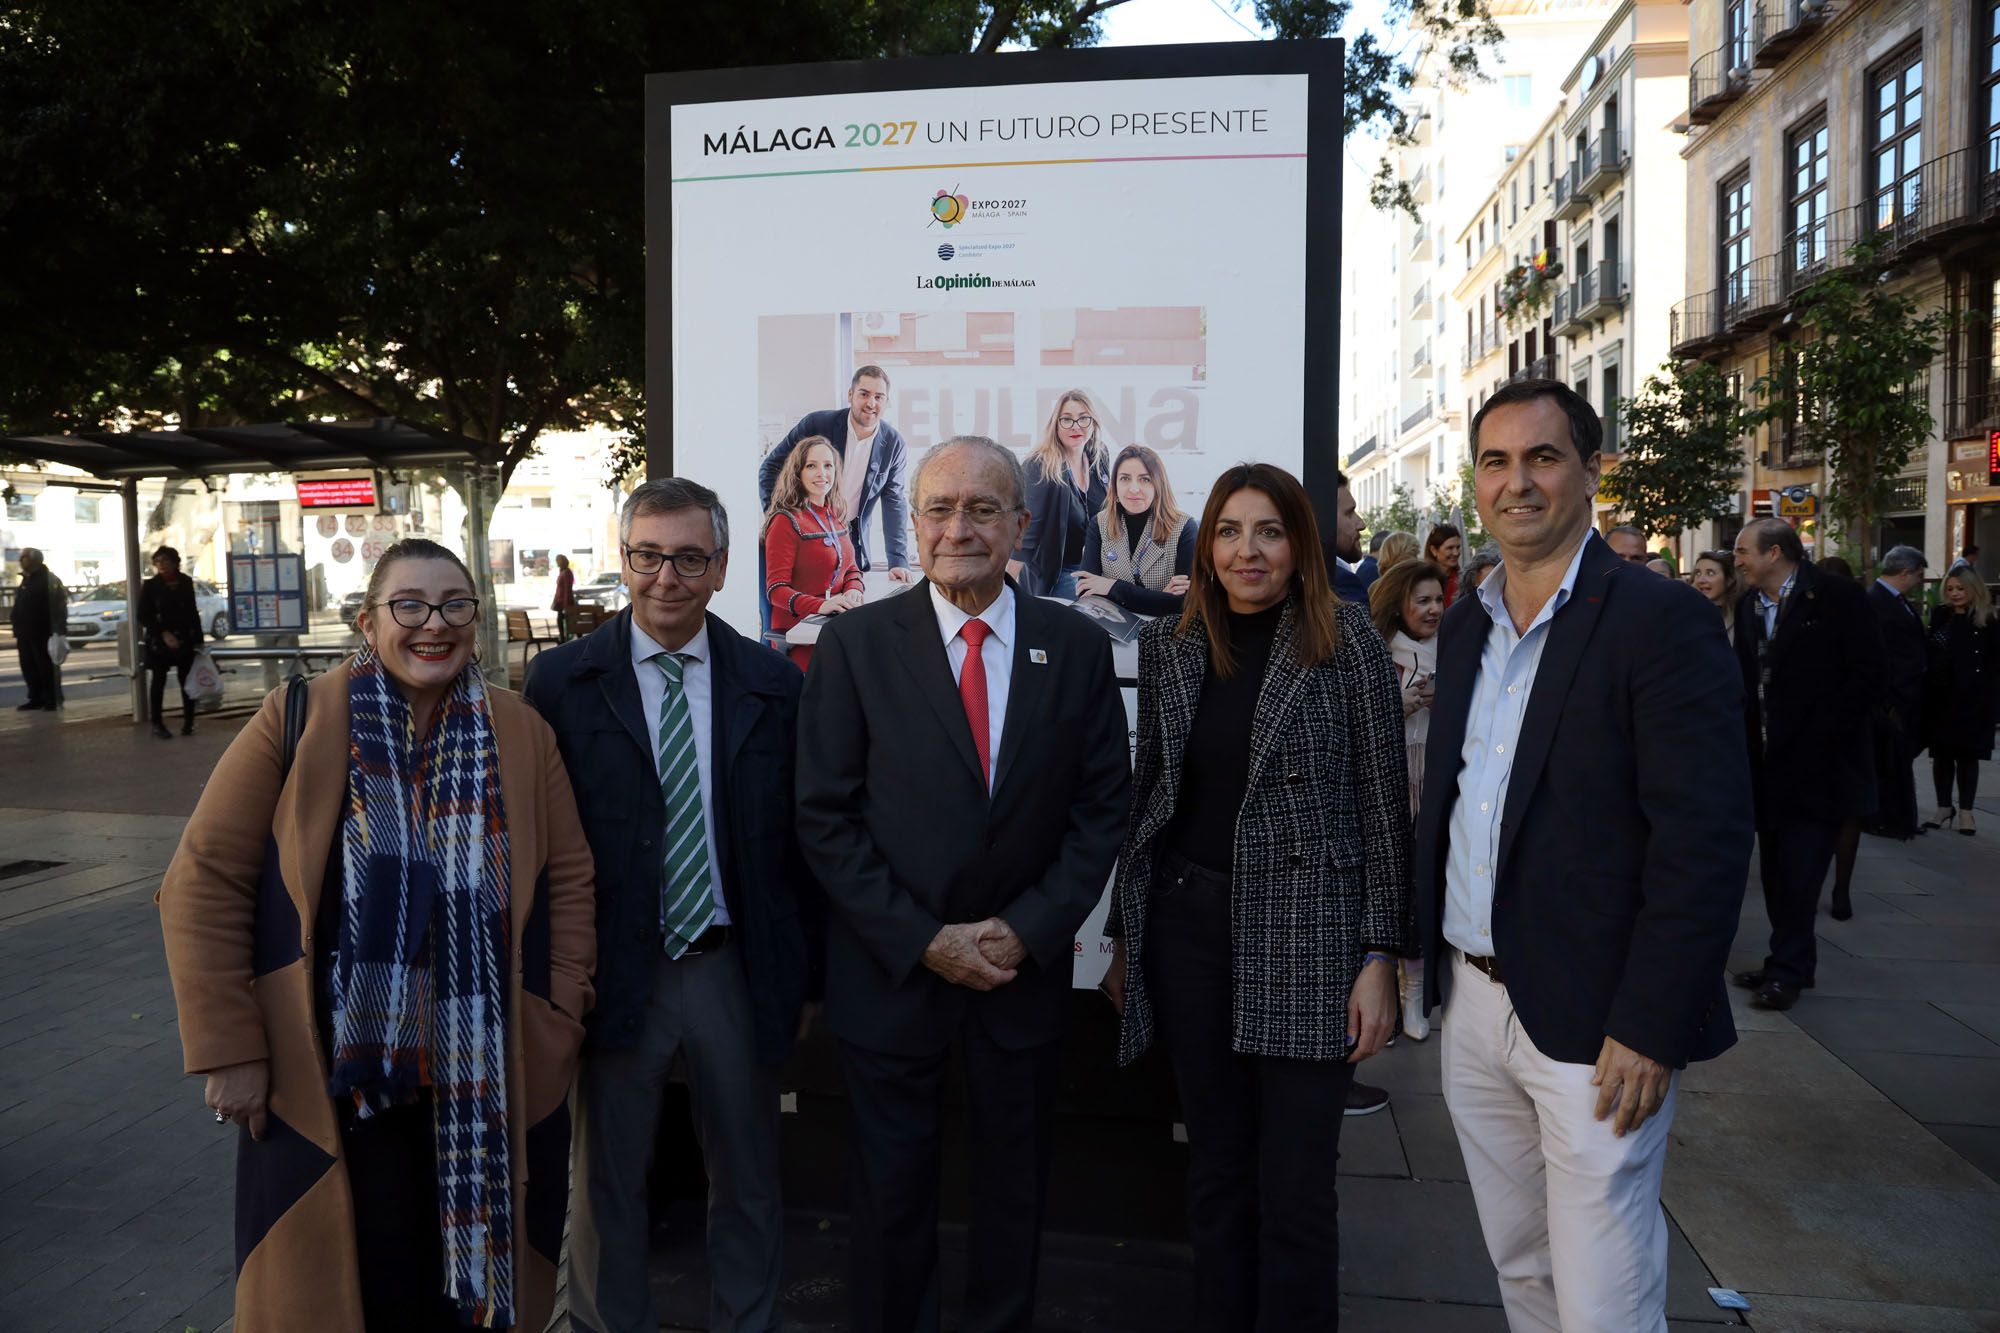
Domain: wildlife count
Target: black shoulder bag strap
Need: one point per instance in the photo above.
(295, 725)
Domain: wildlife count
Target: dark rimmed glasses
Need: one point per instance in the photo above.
(415, 612)
(687, 564)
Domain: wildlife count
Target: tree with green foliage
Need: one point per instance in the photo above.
(1399, 515)
(1853, 388)
(431, 211)
(1459, 503)
(1681, 461)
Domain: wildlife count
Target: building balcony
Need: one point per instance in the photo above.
(1418, 417)
(1976, 410)
(1367, 447)
(1605, 163)
(1571, 202)
(1753, 296)
(1818, 248)
(1609, 421)
(1564, 320)
(1600, 292)
(1694, 326)
(1421, 306)
(1420, 360)
(1717, 80)
(1779, 25)
(1420, 244)
(1541, 368)
(1944, 199)
(1420, 185)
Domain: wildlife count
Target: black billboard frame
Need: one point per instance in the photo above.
(1322, 60)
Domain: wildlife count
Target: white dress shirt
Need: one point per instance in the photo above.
(1507, 666)
(854, 466)
(997, 653)
(698, 685)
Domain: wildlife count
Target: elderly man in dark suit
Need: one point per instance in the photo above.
(679, 735)
(1810, 654)
(1583, 840)
(963, 782)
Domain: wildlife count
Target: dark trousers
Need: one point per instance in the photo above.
(392, 1170)
(894, 1150)
(38, 672)
(1263, 1132)
(1965, 768)
(1895, 752)
(1792, 859)
(159, 669)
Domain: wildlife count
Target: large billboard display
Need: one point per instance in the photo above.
(1150, 232)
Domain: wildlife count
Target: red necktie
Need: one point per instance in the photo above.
(972, 692)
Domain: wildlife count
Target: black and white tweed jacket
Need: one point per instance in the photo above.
(1322, 855)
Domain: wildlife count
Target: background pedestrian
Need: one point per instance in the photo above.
(170, 630)
(1961, 686)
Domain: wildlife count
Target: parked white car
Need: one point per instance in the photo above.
(95, 616)
(606, 590)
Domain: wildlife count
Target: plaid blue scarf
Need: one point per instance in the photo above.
(419, 991)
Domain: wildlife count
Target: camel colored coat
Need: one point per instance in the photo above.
(238, 906)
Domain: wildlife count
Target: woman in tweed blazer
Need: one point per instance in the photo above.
(1263, 892)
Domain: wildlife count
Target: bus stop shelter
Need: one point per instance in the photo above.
(122, 459)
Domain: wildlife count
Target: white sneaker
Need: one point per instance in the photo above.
(1416, 1024)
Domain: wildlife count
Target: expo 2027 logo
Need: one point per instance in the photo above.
(949, 207)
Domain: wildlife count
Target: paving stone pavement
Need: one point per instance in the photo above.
(1841, 1166)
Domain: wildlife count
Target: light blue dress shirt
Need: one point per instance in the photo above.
(1507, 666)
(1769, 608)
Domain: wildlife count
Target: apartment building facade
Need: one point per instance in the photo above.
(1815, 125)
(1620, 191)
(1469, 136)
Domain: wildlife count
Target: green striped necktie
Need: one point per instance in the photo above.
(687, 904)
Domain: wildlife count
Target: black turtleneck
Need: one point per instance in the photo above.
(1215, 768)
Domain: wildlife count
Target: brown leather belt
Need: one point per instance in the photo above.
(1484, 963)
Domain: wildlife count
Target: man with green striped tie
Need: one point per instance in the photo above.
(678, 734)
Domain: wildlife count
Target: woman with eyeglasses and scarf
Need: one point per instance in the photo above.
(381, 959)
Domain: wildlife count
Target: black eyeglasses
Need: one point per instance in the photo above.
(415, 613)
(687, 564)
(1076, 423)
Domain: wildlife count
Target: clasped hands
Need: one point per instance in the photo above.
(982, 955)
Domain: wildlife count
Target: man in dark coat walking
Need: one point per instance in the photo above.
(1898, 715)
(40, 609)
(1811, 657)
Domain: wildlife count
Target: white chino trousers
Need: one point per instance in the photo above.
(1571, 1213)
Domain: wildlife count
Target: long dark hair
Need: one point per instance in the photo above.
(1206, 611)
(1166, 514)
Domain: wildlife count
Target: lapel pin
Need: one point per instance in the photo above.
(1038, 657)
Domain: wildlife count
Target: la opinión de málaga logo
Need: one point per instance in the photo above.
(949, 207)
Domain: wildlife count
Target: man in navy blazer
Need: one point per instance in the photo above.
(679, 736)
(1583, 842)
(870, 446)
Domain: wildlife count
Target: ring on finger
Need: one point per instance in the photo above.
(221, 1119)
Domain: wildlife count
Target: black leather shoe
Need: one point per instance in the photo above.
(160, 732)
(1750, 980)
(1843, 905)
(1776, 995)
(187, 728)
